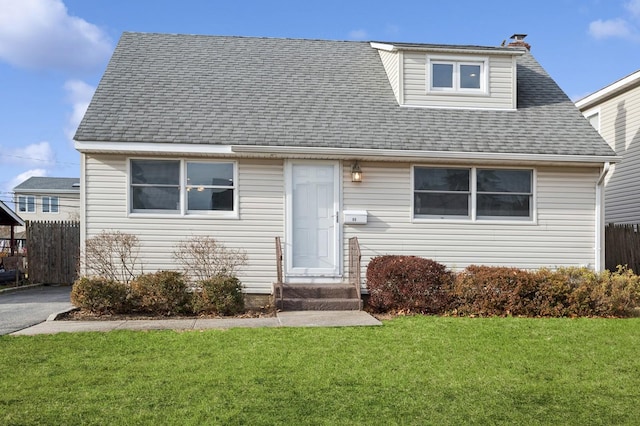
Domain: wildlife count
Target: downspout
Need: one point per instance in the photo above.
(599, 249)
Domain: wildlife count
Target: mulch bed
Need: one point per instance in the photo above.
(83, 315)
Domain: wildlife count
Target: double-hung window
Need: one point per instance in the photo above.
(448, 74)
(442, 192)
(182, 187)
(504, 193)
(26, 203)
(210, 186)
(50, 204)
(472, 193)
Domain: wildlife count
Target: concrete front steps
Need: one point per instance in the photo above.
(318, 297)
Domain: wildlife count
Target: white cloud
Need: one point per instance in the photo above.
(633, 7)
(79, 95)
(36, 154)
(22, 177)
(358, 35)
(618, 27)
(40, 34)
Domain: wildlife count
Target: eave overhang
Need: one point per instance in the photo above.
(394, 155)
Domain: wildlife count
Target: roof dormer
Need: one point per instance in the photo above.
(444, 76)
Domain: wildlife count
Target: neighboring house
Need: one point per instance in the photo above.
(462, 154)
(48, 199)
(615, 112)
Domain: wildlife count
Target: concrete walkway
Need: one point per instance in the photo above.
(282, 319)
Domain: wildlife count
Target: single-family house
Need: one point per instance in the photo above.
(48, 199)
(462, 154)
(614, 111)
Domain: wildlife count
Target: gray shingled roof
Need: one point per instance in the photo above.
(48, 184)
(287, 92)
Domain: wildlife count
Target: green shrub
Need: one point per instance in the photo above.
(99, 295)
(220, 295)
(409, 284)
(162, 293)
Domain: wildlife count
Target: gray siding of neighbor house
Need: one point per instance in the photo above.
(620, 127)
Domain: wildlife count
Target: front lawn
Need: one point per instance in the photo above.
(413, 370)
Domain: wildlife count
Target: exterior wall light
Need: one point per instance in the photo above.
(356, 173)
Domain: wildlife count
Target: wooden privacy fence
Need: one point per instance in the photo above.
(53, 251)
(622, 246)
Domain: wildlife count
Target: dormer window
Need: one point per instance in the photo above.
(457, 74)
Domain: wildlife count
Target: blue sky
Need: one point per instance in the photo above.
(53, 52)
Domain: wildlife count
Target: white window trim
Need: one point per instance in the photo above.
(589, 114)
(498, 220)
(26, 203)
(182, 211)
(456, 61)
(49, 197)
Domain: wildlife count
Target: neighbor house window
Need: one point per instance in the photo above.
(182, 187)
(50, 204)
(26, 204)
(472, 193)
(455, 75)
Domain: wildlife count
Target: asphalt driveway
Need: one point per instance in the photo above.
(24, 308)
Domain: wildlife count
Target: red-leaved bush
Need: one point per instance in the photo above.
(409, 284)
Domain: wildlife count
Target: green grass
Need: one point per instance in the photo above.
(414, 370)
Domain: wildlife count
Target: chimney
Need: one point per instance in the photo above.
(517, 40)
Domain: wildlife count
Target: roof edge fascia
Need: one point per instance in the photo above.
(45, 190)
(337, 153)
(95, 147)
(11, 213)
(354, 153)
(391, 47)
(607, 91)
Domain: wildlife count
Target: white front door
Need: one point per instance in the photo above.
(312, 215)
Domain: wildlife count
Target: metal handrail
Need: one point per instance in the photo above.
(355, 257)
(279, 282)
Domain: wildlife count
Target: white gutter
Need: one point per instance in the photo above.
(151, 148)
(599, 248)
(390, 47)
(607, 91)
(403, 155)
(161, 148)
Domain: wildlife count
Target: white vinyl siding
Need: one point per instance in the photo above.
(500, 84)
(390, 63)
(261, 218)
(620, 126)
(564, 234)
